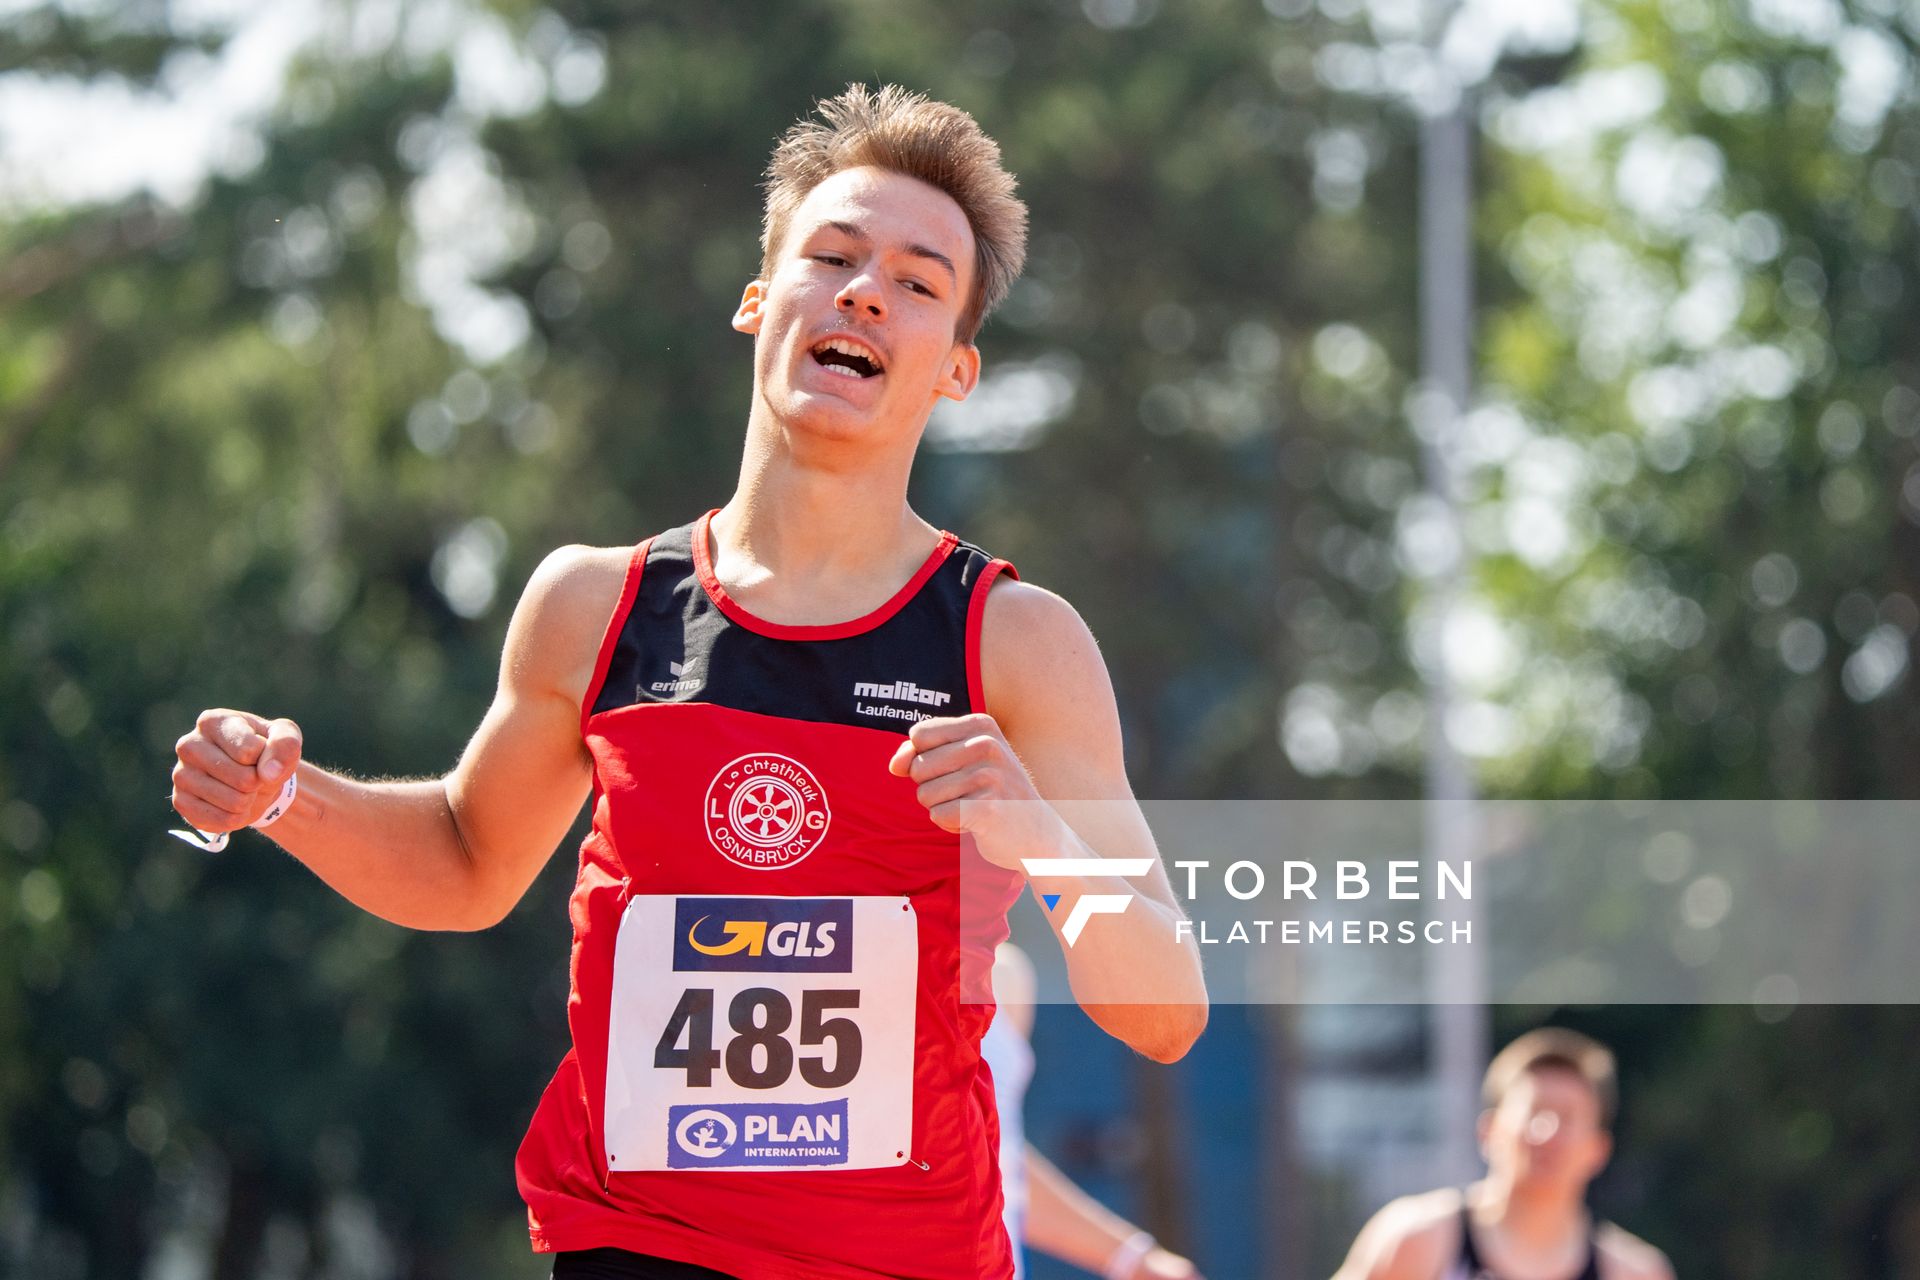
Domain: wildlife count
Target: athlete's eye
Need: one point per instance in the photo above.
(917, 287)
(831, 259)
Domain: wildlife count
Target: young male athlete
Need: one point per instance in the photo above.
(1550, 1101)
(813, 729)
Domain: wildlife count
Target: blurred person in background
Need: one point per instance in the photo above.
(1046, 1209)
(779, 711)
(1546, 1134)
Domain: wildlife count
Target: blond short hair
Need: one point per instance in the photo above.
(909, 134)
(1558, 1048)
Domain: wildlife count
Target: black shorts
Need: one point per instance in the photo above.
(618, 1264)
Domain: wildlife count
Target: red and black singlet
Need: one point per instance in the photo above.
(773, 1071)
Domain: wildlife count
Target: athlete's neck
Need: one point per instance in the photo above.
(1533, 1224)
(813, 543)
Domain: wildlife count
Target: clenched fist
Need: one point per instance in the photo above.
(232, 768)
(971, 782)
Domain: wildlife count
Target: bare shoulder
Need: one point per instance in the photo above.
(1431, 1218)
(1412, 1238)
(574, 576)
(575, 587)
(1036, 650)
(1625, 1256)
(554, 638)
(1016, 608)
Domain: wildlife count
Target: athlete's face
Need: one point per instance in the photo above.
(1547, 1130)
(880, 266)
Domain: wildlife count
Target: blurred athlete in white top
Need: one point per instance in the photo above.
(1045, 1209)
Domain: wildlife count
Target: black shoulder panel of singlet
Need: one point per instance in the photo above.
(676, 645)
(1475, 1269)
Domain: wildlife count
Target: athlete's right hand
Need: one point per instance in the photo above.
(231, 768)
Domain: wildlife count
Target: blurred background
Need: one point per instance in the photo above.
(322, 321)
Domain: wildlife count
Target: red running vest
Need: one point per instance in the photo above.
(773, 1071)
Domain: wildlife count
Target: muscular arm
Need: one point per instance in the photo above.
(455, 852)
(1047, 687)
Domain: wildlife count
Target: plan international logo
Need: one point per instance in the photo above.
(743, 1135)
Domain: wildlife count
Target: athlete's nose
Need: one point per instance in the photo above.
(861, 296)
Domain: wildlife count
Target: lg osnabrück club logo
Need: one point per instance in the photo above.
(1087, 905)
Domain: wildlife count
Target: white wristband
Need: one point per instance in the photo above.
(215, 841)
(278, 809)
(1125, 1258)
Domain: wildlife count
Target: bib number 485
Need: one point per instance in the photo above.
(759, 1055)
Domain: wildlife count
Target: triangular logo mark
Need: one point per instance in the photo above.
(1051, 899)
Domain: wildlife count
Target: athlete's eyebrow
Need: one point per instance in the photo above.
(854, 231)
(934, 255)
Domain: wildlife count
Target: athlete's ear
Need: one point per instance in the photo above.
(1602, 1150)
(962, 373)
(1484, 1129)
(747, 318)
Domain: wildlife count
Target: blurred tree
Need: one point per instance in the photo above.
(1695, 524)
(239, 466)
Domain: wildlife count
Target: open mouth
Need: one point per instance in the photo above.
(848, 358)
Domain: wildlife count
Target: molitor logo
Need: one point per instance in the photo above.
(735, 1134)
(766, 811)
(763, 935)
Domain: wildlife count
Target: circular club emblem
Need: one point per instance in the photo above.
(766, 811)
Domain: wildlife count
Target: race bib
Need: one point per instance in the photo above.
(755, 1033)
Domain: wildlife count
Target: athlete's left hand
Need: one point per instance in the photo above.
(971, 782)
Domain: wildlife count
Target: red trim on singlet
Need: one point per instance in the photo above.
(703, 565)
(976, 619)
(628, 591)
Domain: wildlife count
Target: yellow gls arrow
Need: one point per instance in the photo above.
(748, 936)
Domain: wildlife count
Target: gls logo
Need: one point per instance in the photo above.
(788, 938)
(763, 935)
(1087, 905)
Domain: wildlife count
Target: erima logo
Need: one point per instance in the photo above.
(763, 935)
(787, 938)
(1087, 905)
(678, 685)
